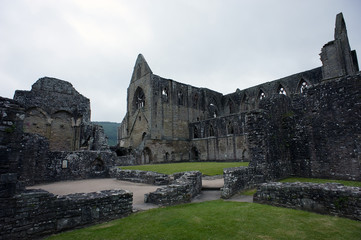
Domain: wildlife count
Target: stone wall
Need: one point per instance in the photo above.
(329, 198)
(326, 132)
(147, 177)
(186, 185)
(78, 165)
(240, 178)
(32, 214)
(55, 110)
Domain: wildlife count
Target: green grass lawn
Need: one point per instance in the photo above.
(318, 180)
(221, 220)
(206, 168)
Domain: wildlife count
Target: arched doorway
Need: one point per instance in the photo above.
(195, 155)
(146, 156)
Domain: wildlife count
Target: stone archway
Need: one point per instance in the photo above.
(195, 155)
(146, 156)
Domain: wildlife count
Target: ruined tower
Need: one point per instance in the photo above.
(337, 58)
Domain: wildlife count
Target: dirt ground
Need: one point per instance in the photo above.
(138, 189)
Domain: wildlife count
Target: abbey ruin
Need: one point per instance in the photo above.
(307, 124)
(308, 120)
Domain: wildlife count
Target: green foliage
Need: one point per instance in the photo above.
(110, 130)
(249, 192)
(10, 129)
(319, 180)
(206, 168)
(221, 220)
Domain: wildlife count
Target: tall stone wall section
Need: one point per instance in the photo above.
(33, 214)
(55, 110)
(326, 137)
(314, 134)
(331, 198)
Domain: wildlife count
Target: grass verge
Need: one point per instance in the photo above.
(221, 220)
(319, 180)
(206, 168)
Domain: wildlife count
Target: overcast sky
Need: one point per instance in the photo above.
(218, 44)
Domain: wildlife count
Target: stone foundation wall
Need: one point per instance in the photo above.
(35, 213)
(330, 198)
(185, 186)
(239, 178)
(139, 176)
(79, 165)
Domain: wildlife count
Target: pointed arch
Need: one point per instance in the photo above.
(281, 90)
(139, 99)
(213, 108)
(302, 85)
(230, 128)
(180, 97)
(230, 106)
(165, 94)
(146, 156)
(261, 94)
(195, 154)
(211, 130)
(245, 102)
(195, 132)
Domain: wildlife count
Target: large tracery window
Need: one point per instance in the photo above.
(139, 98)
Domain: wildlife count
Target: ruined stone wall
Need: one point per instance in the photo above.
(139, 176)
(32, 214)
(11, 131)
(185, 186)
(326, 137)
(55, 110)
(337, 58)
(330, 198)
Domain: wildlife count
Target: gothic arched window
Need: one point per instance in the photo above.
(282, 90)
(139, 98)
(302, 86)
(165, 94)
(211, 130)
(230, 129)
(261, 95)
(180, 98)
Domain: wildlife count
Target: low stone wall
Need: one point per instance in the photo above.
(185, 186)
(330, 198)
(239, 178)
(35, 213)
(139, 176)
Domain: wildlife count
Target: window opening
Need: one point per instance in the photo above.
(211, 131)
(195, 132)
(303, 86)
(230, 129)
(262, 95)
(139, 99)
(180, 98)
(282, 91)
